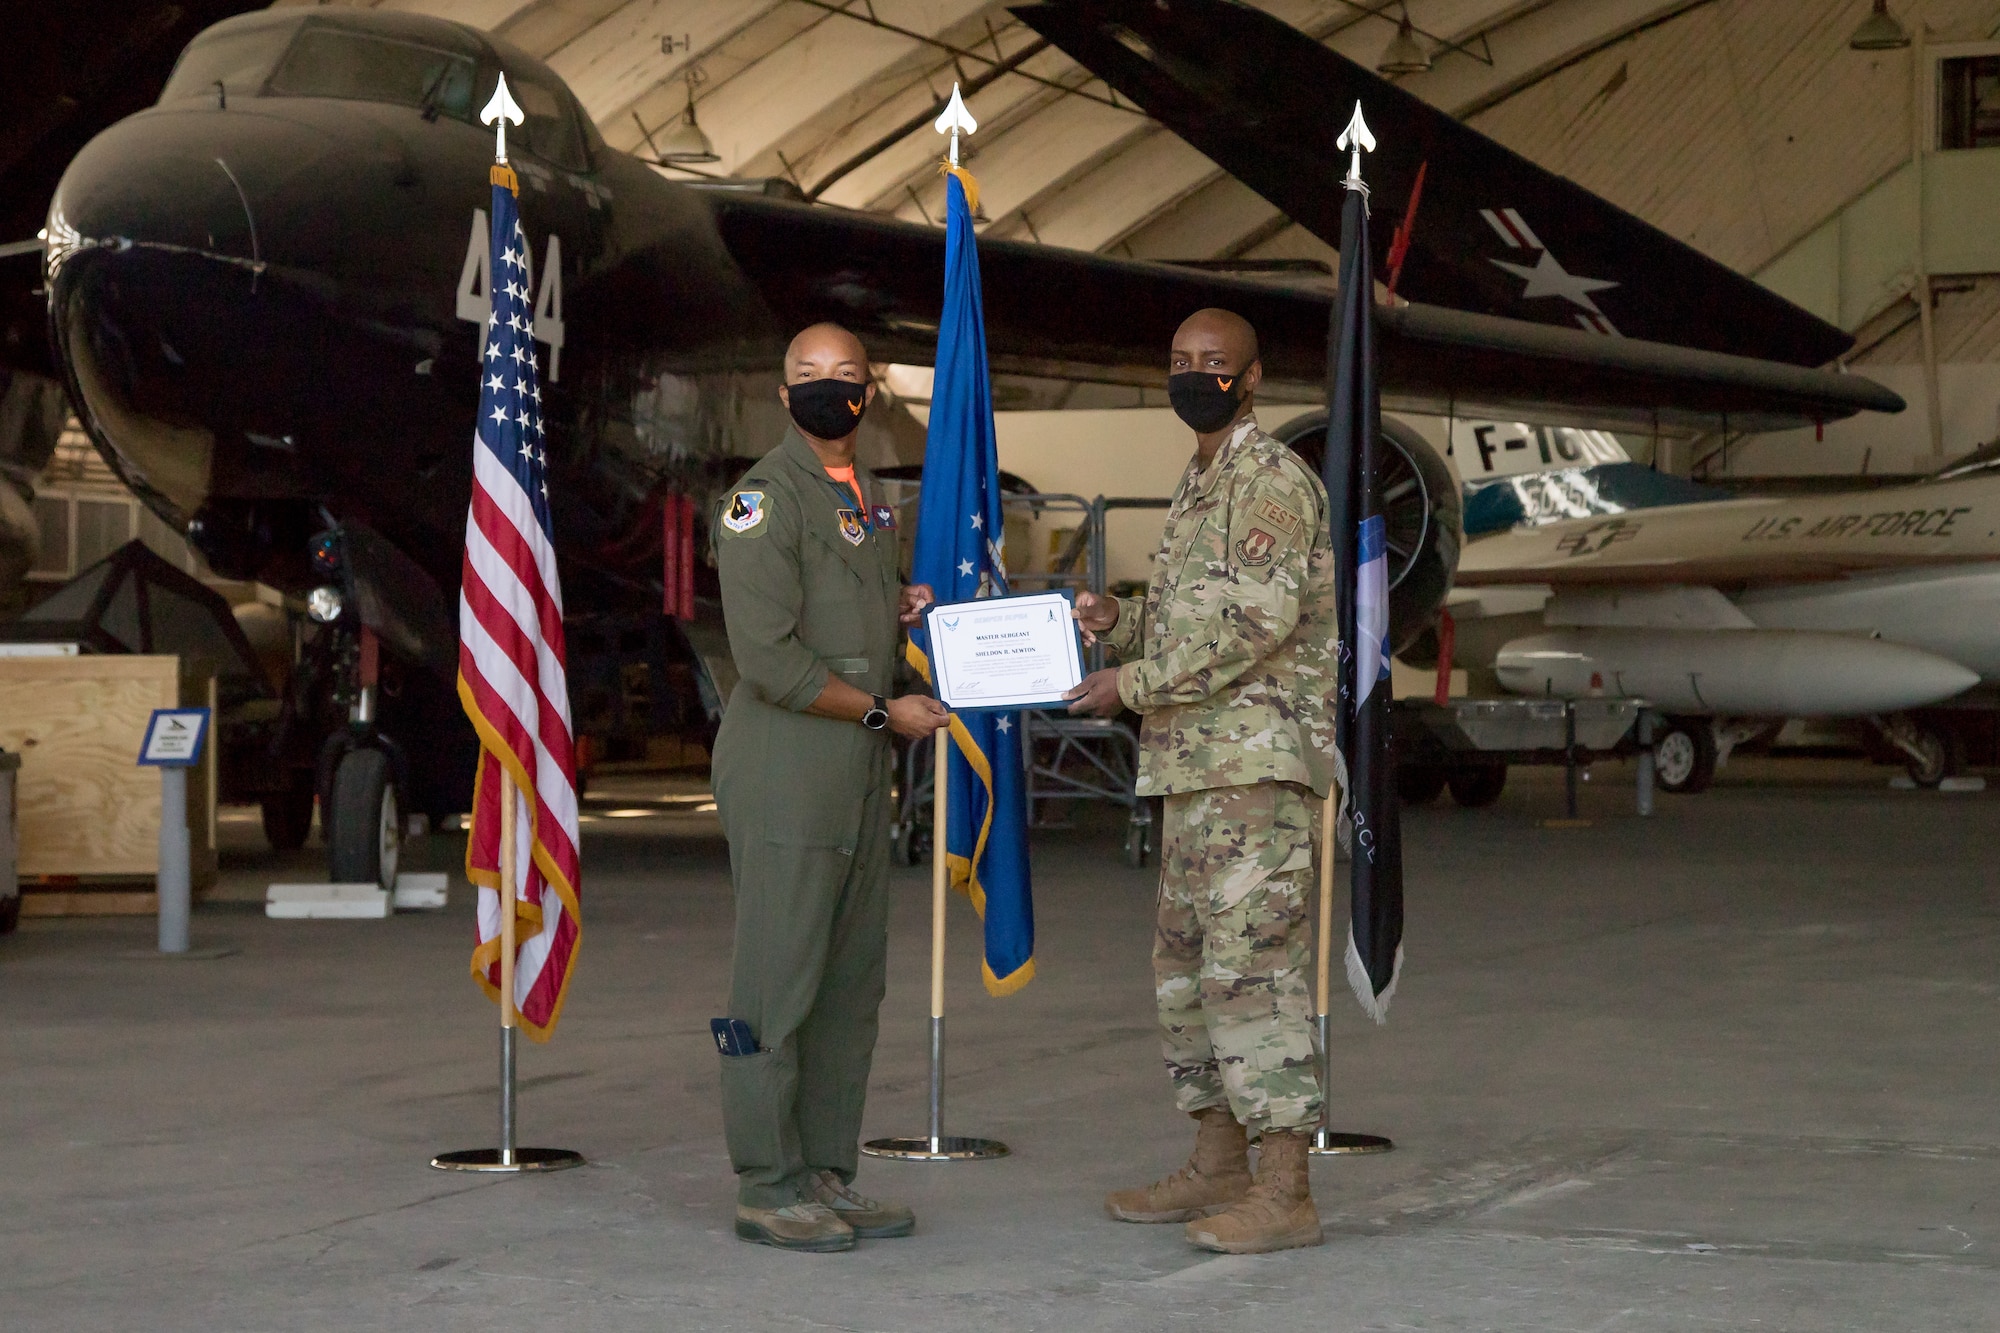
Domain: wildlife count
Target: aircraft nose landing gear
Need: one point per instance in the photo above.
(365, 827)
(360, 809)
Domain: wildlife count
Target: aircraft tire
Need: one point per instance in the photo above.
(1477, 788)
(1419, 784)
(1138, 844)
(364, 833)
(1943, 755)
(1684, 756)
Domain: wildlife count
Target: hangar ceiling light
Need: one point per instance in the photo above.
(1879, 31)
(1404, 54)
(686, 143)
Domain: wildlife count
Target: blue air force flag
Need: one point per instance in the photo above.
(958, 554)
(1366, 767)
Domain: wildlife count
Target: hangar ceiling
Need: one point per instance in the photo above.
(1738, 126)
(837, 94)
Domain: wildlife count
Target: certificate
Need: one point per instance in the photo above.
(1005, 652)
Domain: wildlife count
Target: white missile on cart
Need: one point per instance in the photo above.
(1732, 672)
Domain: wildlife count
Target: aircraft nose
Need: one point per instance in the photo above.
(154, 261)
(140, 183)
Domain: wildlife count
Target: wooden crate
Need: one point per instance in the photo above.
(89, 814)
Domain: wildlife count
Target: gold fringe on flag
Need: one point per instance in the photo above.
(965, 178)
(502, 174)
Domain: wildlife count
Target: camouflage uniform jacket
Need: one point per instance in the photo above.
(1230, 655)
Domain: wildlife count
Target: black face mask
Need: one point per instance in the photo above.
(1206, 401)
(827, 409)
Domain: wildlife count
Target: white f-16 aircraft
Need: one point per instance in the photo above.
(1728, 615)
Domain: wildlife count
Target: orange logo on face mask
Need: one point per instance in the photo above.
(855, 408)
(1223, 384)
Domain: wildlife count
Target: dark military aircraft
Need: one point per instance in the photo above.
(264, 295)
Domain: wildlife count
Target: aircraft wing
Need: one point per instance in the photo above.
(1494, 232)
(1770, 539)
(1072, 315)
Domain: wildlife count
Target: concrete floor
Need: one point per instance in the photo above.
(1732, 1067)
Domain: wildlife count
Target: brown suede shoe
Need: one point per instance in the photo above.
(807, 1226)
(871, 1218)
(1216, 1176)
(1278, 1212)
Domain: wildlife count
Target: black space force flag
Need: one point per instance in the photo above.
(1361, 564)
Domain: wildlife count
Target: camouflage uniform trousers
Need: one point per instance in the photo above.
(1231, 957)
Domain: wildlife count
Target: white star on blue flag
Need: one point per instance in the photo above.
(509, 395)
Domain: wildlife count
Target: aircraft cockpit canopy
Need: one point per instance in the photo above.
(1980, 462)
(285, 55)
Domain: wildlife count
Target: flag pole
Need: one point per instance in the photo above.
(1326, 1140)
(940, 882)
(509, 1020)
(938, 1146)
(507, 1158)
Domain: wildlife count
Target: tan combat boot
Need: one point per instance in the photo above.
(806, 1225)
(1278, 1212)
(871, 1219)
(1214, 1178)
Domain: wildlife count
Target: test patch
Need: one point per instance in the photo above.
(1279, 517)
(1255, 548)
(745, 510)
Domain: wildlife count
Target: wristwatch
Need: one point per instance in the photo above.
(877, 717)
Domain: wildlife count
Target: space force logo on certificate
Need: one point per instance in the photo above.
(1005, 652)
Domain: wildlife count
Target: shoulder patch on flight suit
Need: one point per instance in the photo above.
(1255, 547)
(745, 511)
(1279, 517)
(851, 527)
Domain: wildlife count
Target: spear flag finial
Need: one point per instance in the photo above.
(1355, 138)
(954, 119)
(502, 109)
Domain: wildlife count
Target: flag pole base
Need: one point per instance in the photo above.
(1331, 1143)
(947, 1148)
(522, 1160)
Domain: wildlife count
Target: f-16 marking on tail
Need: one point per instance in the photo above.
(1547, 277)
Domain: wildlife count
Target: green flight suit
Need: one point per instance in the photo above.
(809, 588)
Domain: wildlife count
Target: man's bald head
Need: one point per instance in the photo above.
(1217, 340)
(825, 351)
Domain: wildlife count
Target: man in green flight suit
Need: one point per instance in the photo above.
(1229, 658)
(812, 598)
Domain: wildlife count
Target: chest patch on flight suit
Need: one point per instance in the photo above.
(851, 527)
(745, 510)
(885, 517)
(1279, 517)
(1255, 548)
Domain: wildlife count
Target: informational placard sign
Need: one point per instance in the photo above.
(1005, 652)
(174, 737)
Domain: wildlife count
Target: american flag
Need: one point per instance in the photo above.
(511, 661)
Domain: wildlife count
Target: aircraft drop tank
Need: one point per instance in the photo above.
(1737, 672)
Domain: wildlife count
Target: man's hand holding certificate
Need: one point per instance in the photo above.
(1005, 652)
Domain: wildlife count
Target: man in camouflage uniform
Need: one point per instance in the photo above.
(1229, 658)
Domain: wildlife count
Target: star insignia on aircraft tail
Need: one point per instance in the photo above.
(1546, 276)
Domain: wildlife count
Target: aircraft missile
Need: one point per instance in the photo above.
(1734, 672)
